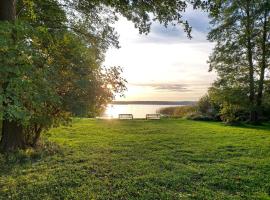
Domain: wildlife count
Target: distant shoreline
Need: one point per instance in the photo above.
(154, 102)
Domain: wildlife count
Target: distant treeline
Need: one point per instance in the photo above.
(154, 102)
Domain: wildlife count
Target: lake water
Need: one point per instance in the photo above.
(138, 110)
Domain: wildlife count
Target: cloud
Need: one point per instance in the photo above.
(172, 35)
(168, 35)
(165, 64)
(163, 86)
(197, 19)
(174, 87)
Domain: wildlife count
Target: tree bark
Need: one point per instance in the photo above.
(37, 136)
(253, 112)
(7, 10)
(12, 136)
(263, 62)
(12, 132)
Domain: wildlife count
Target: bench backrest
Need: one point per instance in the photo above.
(152, 116)
(125, 116)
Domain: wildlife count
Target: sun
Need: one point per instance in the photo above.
(109, 86)
(110, 111)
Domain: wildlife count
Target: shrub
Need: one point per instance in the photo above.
(204, 105)
(233, 113)
(199, 117)
(178, 111)
(208, 108)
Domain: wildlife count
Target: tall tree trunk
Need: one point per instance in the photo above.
(7, 10)
(263, 61)
(12, 132)
(12, 136)
(253, 112)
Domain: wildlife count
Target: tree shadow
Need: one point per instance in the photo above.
(27, 157)
(262, 126)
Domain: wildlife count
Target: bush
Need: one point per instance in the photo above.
(177, 111)
(208, 108)
(232, 113)
(199, 117)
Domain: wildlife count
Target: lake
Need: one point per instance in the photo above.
(138, 110)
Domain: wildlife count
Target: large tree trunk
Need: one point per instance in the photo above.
(12, 136)
(263, 62)
(253, 112)
(7, 10)
(12, 132)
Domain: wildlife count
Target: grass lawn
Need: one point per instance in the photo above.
(166, 159)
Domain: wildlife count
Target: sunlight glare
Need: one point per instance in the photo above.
(111, 112)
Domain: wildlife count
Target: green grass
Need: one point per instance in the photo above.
(167, 159)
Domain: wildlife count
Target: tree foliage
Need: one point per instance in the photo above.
(50, 73)
(51, 59)
(241, 58)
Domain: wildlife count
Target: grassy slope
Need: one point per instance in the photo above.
(167, 159)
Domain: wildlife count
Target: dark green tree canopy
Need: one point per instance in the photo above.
(52, 54)
(241, 58)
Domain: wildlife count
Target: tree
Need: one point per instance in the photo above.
(41, 80)
(241, 55)
(8, 13)
(7, 10)
(264, 49)
(37, 74)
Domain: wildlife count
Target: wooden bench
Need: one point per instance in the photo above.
(152, 116)
(125, 116)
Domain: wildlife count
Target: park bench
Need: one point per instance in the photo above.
(125, 116)
(152, 116)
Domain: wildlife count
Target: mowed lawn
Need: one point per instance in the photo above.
(166, 159)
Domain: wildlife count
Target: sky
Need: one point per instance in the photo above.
(164, 65)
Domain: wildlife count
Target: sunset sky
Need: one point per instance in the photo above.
(165, 64)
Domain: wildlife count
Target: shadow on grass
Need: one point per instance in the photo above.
(10, 160)
(260, 126)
